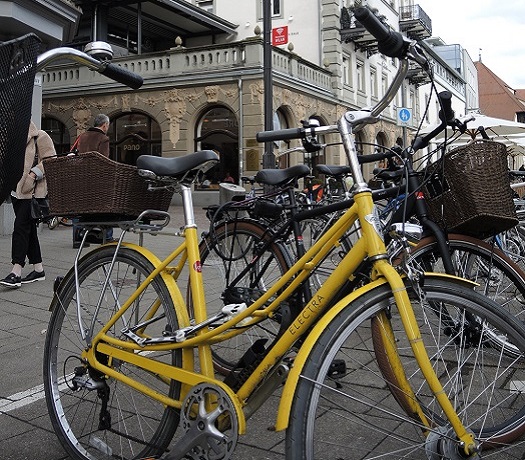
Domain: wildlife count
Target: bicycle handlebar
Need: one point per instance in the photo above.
(110, 70)
(280, 135)
(389, 42)
(373, 157)
(446, 115)
(293, 133)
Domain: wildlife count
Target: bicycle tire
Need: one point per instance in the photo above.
(343, 383)
(497, 276)
(140, 427)
(513, 243)
(225, 253)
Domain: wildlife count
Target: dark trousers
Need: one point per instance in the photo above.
(24, 241)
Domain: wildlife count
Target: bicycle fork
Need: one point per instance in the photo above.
(466, 438)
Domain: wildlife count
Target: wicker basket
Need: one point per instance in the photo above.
(474, 197)
(93, 186)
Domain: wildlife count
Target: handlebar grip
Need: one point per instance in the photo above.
(280, 135)
(446, 113)
(373, 157)
(124, 76)
(390, 43)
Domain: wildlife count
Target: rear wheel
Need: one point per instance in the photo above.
(239, 267)
(93, 415)
(347, 383)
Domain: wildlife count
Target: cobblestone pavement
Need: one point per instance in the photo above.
(24, 423)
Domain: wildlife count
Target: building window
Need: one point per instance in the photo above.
(360, 71)
(384, 84)
(373, 81)
(134, 134)
(275, 8)
(346, 71)
(58, 133)
(218, 130)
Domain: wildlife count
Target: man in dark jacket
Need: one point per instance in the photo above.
(93, 140)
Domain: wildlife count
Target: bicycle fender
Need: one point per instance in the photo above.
(181, 309)
(178, 300)
(285, 403)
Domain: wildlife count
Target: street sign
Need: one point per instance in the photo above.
(280, 35)
(404, 116)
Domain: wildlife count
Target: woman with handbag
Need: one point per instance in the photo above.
(25, 244)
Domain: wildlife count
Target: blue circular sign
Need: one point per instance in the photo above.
(404, 115)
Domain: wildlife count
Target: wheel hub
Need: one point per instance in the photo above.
(442, 443)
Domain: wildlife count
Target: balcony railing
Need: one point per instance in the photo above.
(353, 31)
(201, 65)
(417, 76)
(414, 22)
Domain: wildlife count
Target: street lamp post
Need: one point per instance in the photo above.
(268, 156)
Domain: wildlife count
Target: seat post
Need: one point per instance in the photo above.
(187, 205)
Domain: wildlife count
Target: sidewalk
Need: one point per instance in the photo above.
(26, 430)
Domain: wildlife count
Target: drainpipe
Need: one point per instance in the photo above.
(139, 28)
(241, 131)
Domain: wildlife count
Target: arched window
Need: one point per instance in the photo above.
(58, 132)
(134, 134)
(381, 141)
(217, 129)
(280, 121)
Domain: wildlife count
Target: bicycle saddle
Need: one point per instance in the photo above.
(333, 170)
(281, 176)
(177, 166)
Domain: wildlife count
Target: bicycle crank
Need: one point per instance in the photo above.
(210, 423)
(442, 444)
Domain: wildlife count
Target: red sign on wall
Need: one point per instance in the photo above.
(280, 35)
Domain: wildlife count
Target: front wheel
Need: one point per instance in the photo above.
(94, 416)
(348, 401)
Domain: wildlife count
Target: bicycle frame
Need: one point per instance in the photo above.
(200, 336)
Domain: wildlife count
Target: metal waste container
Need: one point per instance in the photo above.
(230, 192)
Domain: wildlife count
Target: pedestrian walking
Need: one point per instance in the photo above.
(24, 243)
(95, 139)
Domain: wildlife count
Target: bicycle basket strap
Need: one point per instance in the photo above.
(17, 76)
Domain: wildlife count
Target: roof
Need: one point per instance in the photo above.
(181, 17)
(496, 98)
(54, 21)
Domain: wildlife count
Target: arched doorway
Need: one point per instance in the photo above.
(134, 134)
(217, 129)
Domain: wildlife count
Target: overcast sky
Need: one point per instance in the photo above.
(495, 26)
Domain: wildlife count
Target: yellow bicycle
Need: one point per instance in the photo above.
(402, 367)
